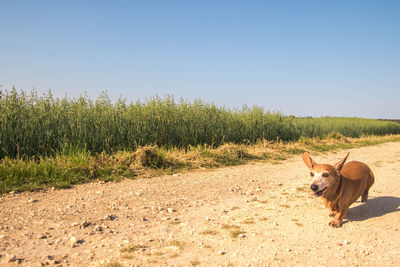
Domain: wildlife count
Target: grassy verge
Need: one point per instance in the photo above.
(74, 166)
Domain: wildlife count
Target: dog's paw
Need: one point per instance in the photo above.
(332, 213)
(335, 223)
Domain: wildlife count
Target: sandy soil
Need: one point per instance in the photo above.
(254, 215)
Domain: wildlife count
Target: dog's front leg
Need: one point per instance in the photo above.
(332, 213)
(338, 219)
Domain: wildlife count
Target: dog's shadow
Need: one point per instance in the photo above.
(375, 207)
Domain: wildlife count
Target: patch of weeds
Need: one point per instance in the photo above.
(279, 157)
(132, 248)
(157, 253)
(177, 243)
(301, 189)
(295, 150)
(236, 233)
(128, 256)
(194, 262)
(263, 201)
(152, 157)
(113, 264)
(230, 227)
(175, 222)
(209, 232)
(259, 201)
(248, 221)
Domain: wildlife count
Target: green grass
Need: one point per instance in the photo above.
(38, 126)
(52, 142)
(74, 166)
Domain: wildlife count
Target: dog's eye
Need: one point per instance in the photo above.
(325, 174)
(312, 174)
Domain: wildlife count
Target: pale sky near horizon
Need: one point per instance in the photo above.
(302, 58)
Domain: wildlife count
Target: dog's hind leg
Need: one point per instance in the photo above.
(370, 182)
(364, 196)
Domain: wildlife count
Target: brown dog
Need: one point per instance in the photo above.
(339, 185)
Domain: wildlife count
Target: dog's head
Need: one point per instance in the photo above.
(323, 176)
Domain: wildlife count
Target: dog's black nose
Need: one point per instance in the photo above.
(314, 187)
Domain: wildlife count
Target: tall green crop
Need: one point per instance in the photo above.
(34, 126)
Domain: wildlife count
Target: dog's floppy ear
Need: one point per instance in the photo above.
(308, 160)
(338, 165)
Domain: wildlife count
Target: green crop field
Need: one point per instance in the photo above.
(34, 126)
(46, 141)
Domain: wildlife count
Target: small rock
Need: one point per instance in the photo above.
(110, 217)
(170, 210)
(31, 200)
(85, 224)
(73, 241)
(221, 252)
(98, 228)
(139, 193)
(74, 224)
(2, 236)
(144, 219)
(346, 242)
(10, 257)
(49, 260)
(242, 235)
(41, 236)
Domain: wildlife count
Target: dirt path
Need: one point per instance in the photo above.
(252, 215)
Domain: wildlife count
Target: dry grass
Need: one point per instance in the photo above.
(230, 227)
(236, 233)
(177, 243)
(248, 221)
(209, 232)
(76, 166)
(132, 248)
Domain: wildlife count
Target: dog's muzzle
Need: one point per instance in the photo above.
(316, 190)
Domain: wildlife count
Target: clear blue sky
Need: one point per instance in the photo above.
(317, 58)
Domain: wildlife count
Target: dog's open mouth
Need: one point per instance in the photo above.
(320, 192)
